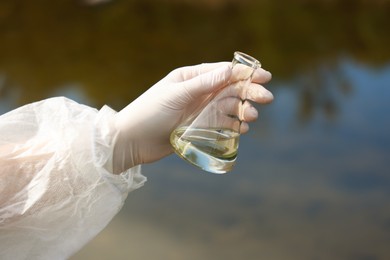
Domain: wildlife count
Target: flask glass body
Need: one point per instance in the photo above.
(210, 140)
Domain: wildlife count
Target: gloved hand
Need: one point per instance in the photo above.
(145, 125)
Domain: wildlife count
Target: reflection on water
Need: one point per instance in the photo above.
(314, 191)
(312, 178)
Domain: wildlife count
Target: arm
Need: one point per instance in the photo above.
(66, 169)
(56, 189)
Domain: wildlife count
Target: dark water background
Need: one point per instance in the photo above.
(312, 179)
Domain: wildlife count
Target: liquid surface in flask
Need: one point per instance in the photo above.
(213, 150)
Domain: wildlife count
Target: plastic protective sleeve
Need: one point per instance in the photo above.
(56, 188)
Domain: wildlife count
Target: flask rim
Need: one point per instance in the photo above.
(246, 59)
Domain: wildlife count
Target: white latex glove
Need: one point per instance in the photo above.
(145, 125)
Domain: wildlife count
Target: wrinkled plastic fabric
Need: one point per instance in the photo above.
(56, 188)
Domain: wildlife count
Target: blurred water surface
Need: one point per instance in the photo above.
(312, 179)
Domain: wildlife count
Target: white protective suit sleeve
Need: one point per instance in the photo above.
(56, 187)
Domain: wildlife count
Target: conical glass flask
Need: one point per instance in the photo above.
(210, 140)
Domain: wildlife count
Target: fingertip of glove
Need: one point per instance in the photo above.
(262, 76)
(268, 75)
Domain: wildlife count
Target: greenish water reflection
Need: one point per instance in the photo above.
(117, 50)
(312, 177)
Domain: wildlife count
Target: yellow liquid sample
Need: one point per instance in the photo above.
(213, 150)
